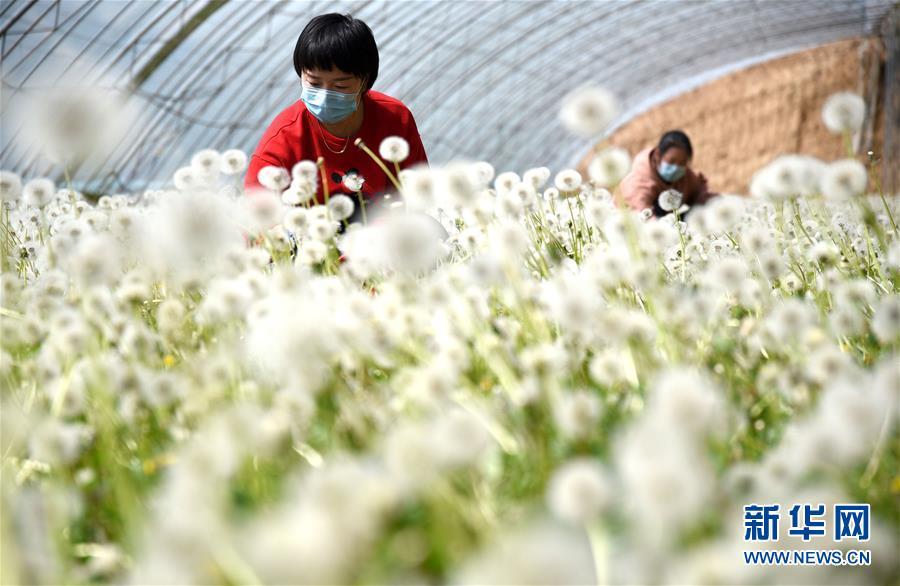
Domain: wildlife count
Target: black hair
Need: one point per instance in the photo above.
(341, 41)
(675, 138)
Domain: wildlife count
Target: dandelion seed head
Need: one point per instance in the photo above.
(274, 178)
(844, 112)
(542, 553)
(843, 180)
(536, 177)
(482, 174)
(456, 186)
(72, 125)
(312, 252)
(10, 186)
(609, 166)
(460, 439)
(506, 181)
(394, 149)
(419, 187)
(207, 162)
(670, 200)
(341, 207)
(568, 181)
(233, 162)
(588, 110)
(577, 414)
(579, 491)
(38, 192)
(262, 211)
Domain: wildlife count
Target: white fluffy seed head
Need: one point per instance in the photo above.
(670, 200)
(577, 414)
(482, 173)
(787, 177)
(207, 162)
(185, 178)
(10, 186)
(457, 185)
(568, 181)
(74, 123)
(38, 192)
(262, 210)
(506, 181)
(234, 161)
(307, 170)
(578, 491)
(460, 439)
(609, 166)
(536, 177)
(418, 187)
(844, 112)
(170, 315)
(394, 149)
(296, 220)
(274, 178)
(843, 180)
(588, 110)
(301, 191)
(341, 207)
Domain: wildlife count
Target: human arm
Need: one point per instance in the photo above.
(701, 193)
(276, 147)
(257, 162)
(638, 194)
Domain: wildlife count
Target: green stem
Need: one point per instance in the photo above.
(320, 163)
(799, 221)
(872, 466)
(848, 144)
(683, 247)
(362, 207)
(359, 142)
(880, 191)
(572, 230)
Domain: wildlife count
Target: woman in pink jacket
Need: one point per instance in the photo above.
(663, 167)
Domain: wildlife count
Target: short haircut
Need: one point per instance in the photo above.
(341, 41)
(675, 138)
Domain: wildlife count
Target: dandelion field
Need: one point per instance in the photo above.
(559, 391)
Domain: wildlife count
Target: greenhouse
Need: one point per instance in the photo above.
(450, 292)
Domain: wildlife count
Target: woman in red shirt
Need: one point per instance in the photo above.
(336, 59)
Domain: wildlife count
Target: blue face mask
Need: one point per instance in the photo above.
(328, 106)
(669, 172)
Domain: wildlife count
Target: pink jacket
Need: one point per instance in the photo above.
(642, 186)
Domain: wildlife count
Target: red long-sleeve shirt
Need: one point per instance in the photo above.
(296, 135)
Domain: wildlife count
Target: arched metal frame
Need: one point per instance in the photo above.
(484, 79)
